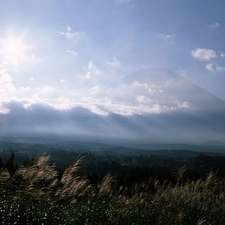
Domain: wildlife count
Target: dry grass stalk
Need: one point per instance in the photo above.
(107, 186)
(4, 175)
(40, 178)
(73, 183)
(201, 221)
(179, 173)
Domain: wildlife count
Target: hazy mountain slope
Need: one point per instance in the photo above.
(145, 106)
(163, 87)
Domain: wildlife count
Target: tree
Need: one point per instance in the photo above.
(11, 164)
(1, 163)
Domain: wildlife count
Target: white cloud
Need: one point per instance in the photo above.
(114, 62)
(90, 70)
(137, 84)
(63, 103)
(144, 105)
(214, 25)
(214, 67)
(4, 77)
(184, 105)
(25, 88)
(72, 52)
(88, 75)
(169, 38)
(95, 90)
(149, 88)
(68, 34)
(143, 99)
(220, 68)
(105, 106)
(203, 54)
(31, 79)
(210, 66)
(90, 65)
(3, 110)
(222, 54)
(62, 81)
(47, 89)
(7, 88)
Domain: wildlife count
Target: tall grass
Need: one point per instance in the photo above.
(73, 183)
(46, 197)
(40, 178)
(4, 176)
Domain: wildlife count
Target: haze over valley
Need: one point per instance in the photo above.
(115, 71)
(147, 106)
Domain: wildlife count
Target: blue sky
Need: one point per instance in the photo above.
(62, 53)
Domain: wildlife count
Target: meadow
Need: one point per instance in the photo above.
(38, 193)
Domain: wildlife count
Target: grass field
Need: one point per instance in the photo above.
(37, 194)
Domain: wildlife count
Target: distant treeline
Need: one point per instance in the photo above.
(128, 168)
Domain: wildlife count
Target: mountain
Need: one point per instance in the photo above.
(214, 143)
(147, 106)
(165, 88)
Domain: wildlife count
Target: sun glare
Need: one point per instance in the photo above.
(13, 50)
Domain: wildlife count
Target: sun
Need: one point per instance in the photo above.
(13, 50)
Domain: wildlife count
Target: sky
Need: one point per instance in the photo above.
(63, 53)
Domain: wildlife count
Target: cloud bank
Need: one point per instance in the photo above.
(146, 105)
